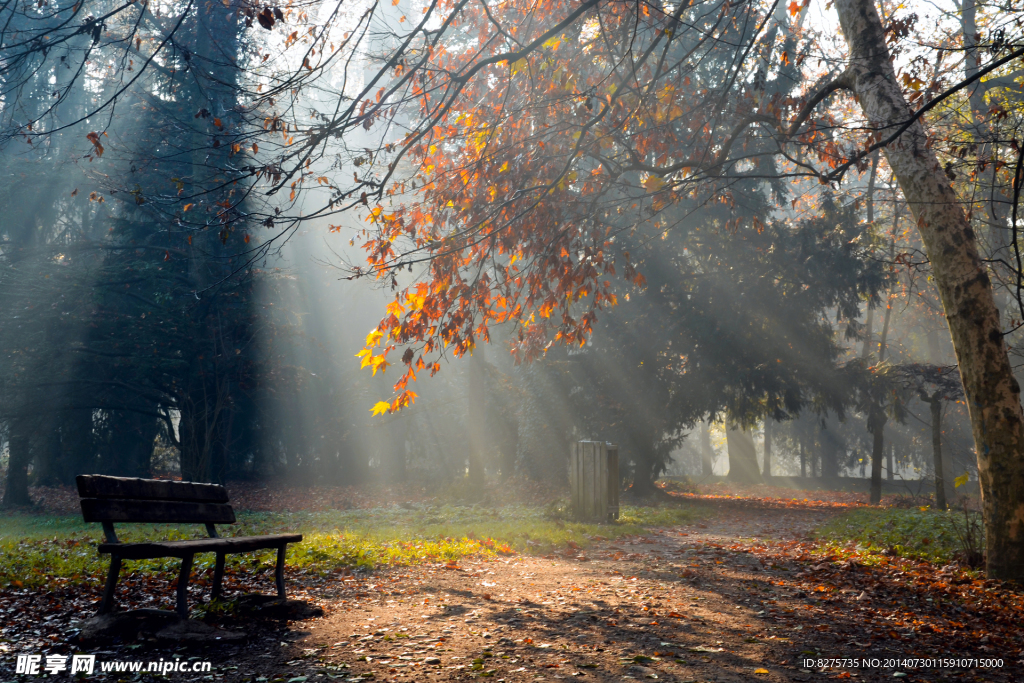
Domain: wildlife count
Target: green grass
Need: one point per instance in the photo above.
(40, 550)
(919, 534)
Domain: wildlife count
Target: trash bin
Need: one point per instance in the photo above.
(594, 481)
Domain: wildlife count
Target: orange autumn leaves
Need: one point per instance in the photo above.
(528, 165)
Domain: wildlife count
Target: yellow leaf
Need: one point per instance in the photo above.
(760, 671)
(374, 337)
(379, 363)
(380, 408)
(186, 208)
(653, 183)
(961, 480)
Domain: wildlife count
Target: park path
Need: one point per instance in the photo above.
(687, 603)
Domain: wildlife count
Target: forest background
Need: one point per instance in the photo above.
(683, 221)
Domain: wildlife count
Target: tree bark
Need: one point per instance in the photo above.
(767, 467)
(993, 395)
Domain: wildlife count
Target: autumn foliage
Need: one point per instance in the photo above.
(554, 129)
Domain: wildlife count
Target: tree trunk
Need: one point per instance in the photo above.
(195, 461)
(803, 459)
(889, 463)
(19, 448)
(992, 393)
(828, 453)
(767, 468)
(477, 411)
(707, 454)
(742, 457)
(876, 425)
(935, 403)
(78, 444)
(644, 473)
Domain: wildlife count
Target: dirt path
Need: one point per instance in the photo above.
(684, 604)
(733, 598)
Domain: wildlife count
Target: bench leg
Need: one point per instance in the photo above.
(218, 575)
(108, 591)
(186, 571)
(279, 572)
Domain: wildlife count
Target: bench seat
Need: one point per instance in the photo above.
(238, 544)
(109, 500)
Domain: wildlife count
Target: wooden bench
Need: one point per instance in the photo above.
(119, 499)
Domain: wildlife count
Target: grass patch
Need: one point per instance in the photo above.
(40, 550)
(918, 534)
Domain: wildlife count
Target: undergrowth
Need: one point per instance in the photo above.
(919, 533)
(41, 550)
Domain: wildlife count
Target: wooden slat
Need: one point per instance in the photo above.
(101, 486)
(240, 544)
(164, 511)
(574, 489)
(613, 481)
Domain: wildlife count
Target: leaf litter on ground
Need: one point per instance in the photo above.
(725, 587)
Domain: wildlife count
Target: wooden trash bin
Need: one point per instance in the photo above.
(594, 481)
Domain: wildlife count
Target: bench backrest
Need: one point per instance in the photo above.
(126, 499)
